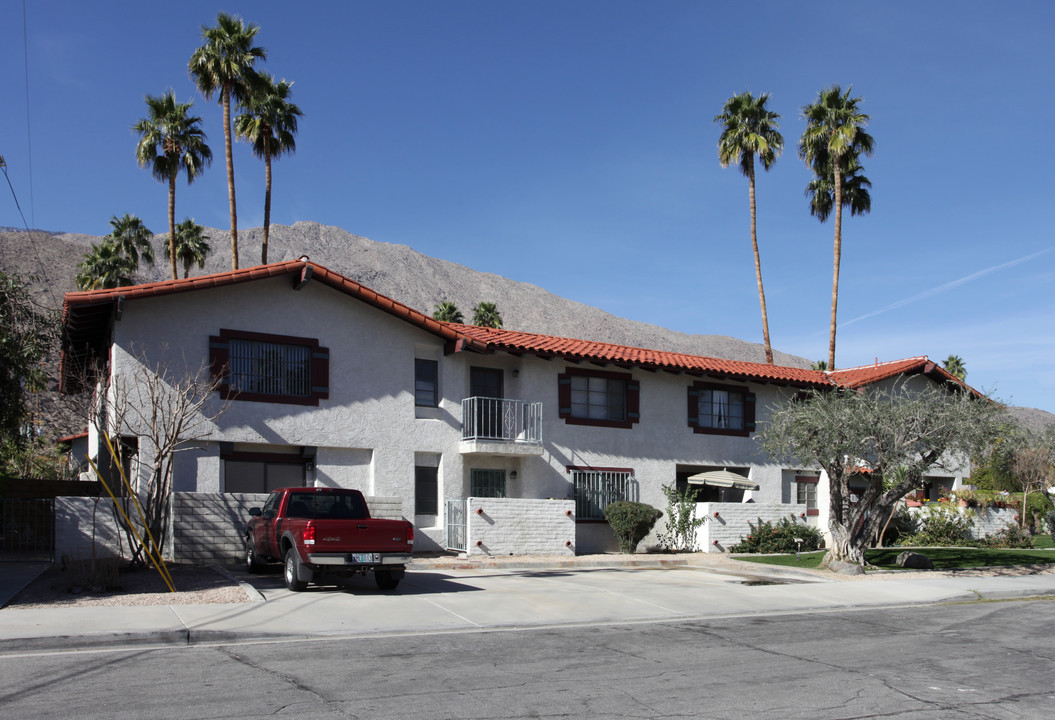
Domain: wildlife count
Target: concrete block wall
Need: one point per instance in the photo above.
(720, 533)
(86, 526)
(514, 526)
(987, 521)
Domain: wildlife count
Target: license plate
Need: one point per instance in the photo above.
(363, 558)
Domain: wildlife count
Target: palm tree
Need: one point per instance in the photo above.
(224, 65)
(192, 245)
(834, 132)
(171, 140)
(750, 129)
(955, 366)
(104, 266)
(269, 121)
(132, 239)
(821, 365)
(447, 311)
(485, 314)
(855, 194)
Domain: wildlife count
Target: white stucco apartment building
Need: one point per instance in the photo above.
(328, 383)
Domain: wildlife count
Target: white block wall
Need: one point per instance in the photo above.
(512, 526)
(987, 521)
(720, 533)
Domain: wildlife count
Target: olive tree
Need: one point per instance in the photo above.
(890, 436)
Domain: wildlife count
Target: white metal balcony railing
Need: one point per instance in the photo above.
(498, 420)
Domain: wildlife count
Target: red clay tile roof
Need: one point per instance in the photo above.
(86, 319)
(590, 351)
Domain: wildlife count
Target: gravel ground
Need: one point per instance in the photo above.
(195, 585)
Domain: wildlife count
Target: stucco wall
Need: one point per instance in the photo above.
(85, 527)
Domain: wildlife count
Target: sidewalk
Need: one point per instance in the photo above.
(451, 595)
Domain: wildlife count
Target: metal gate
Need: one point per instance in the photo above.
(27, 528)
(457, 524)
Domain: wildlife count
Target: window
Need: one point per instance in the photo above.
(426, 490)
(596, 488)
(487, 483)
(258, 476)
(594, 397)
(807, 493)
(721, 409)
(426, 382)
(269, 368)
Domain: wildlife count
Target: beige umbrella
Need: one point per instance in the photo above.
(724, 479)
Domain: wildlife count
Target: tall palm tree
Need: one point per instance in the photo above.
(750, 129)
(269, 121)
(855, 194)
(192, 245)
(132, 239)
(447, 311)
(104, 266)
(224, 65)
(834, 131)
(485, 314)
(171, 140)
(955, 366)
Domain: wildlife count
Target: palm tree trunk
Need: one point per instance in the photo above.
(172, 224)
(838, 252)
(230, 173)
(267, 197)
(758, 267)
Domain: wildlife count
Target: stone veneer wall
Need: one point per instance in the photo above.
(514, 526)
(206, 527)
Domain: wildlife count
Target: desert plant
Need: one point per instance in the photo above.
(631, 522)
(767, 537)
(682, 523)
(1012, 536)
(940, 524)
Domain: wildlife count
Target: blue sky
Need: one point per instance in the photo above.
(571, 145)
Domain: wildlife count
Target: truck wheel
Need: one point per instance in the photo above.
(253, 563)
(292, 572)
(385, 580)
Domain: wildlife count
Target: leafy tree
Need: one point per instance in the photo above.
(897, 433)
(104, 266)
(485, 314)
(192, 245)
(447, 311)
(269, 122)
(832, 142)
(171, 140)
(27, 337)
(223, 65)
(679, 535)
(955, 366)
(750, 129)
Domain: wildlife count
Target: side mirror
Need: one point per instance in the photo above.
(255, 512)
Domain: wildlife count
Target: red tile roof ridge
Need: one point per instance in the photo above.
(915, 358)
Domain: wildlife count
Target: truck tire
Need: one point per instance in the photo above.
(291, 571)
(385, 580)
(253, 563)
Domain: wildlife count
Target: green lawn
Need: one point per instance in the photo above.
(943, 558)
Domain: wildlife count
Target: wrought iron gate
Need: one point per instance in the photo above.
(27, 528)
(457, 530)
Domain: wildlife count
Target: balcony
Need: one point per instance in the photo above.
(494, 426)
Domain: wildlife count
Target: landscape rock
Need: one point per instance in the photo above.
(845, 568)
(914, 561)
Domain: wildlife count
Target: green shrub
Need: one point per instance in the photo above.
(1050, 519)
(682, 524)
(631, 522)
(1012, 536)
(780, 538)
(941, 525)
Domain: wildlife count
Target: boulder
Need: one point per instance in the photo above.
(914, 561)
(845, 568)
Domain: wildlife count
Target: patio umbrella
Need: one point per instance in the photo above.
(722, 478)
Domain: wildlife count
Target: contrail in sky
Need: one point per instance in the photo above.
(947, 286)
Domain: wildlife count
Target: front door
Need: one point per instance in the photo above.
(486, 384)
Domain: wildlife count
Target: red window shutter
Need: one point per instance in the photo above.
(694, 407)
(749, 412)
(564, 395)
(633, 401)
(320, 373)
(219, 359)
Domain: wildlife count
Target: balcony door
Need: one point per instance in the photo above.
(487, 383)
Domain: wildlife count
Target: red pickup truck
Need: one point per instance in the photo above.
(320, 532)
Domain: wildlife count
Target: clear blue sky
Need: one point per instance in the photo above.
(571, 145)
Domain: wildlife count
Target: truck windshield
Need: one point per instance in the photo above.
(317, 506)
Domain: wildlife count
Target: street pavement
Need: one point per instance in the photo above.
(451, 596)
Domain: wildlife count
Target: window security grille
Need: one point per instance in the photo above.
(270, 368)
(487, 483)
(595, 490)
